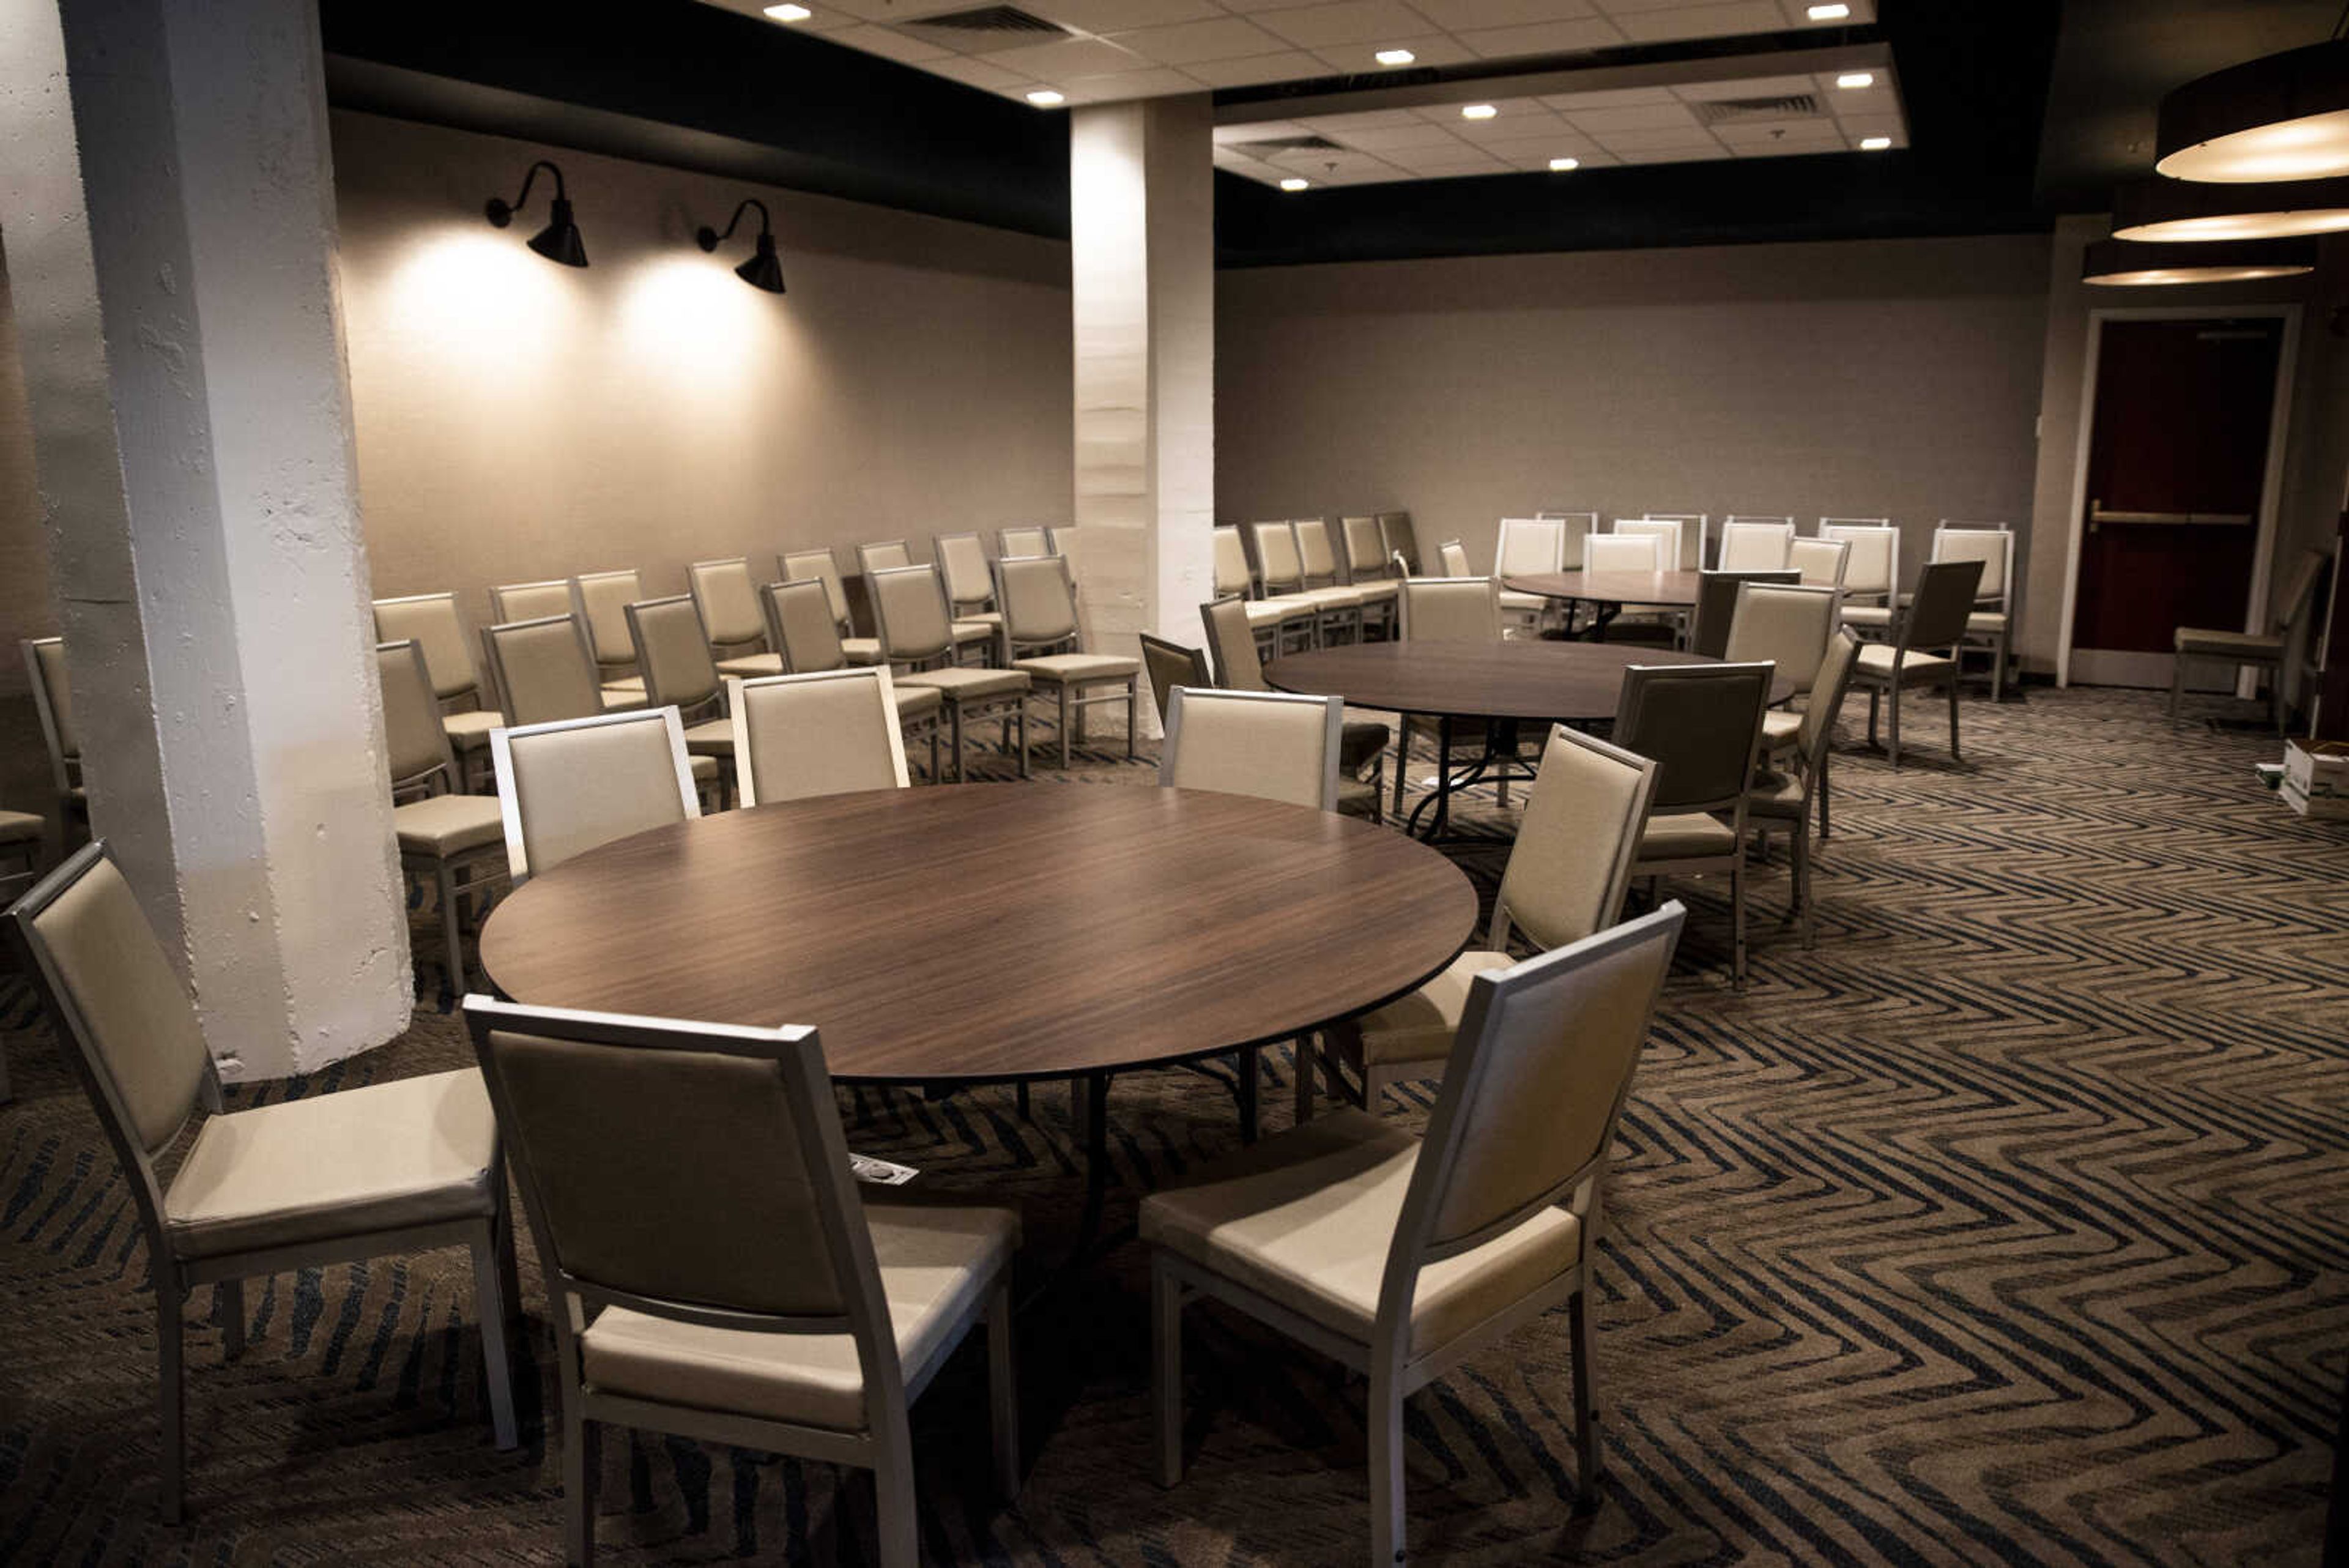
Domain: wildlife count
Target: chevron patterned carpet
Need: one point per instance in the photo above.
(2008, 1225)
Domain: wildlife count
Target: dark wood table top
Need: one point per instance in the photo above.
(1611, 588)
(1540, 681)
(993, 932)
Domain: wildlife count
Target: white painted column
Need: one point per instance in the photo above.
(1142, 270)
(169, 211)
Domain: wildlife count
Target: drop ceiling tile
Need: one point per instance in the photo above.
(1317, 163)
(1856, 126)
(1748, 86)
(1256, 69)
(1544, 38)
(1877, 95)
(1256, 7)
(1539, 162)
(1461, 15)
(1633, 116)
(1218, 38)
(1542, 148)
(1703, 21)
(1448, 114)
(979, 74)
(1798, 14)
(1618, 98)
(1068, 57)
(1673, 155)
(1258, 130)
(1346, 22)
(1392, 137)
(1157, 81)
(889, 46)
(1364, 119)
(1627, 142)
(1512, 128)
(1640, 7)
(1429, 159)
(1361, 59)
(1104, 16)
(1781, 132)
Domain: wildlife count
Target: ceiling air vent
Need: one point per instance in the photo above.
(990, 19)
(1290, 144)
(1741, 110)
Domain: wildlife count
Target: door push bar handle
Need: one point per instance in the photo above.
(2098, 514)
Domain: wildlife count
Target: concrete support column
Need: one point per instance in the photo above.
(1143, 268)
(169, 213)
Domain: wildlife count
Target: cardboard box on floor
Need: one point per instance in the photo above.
(2316, 778)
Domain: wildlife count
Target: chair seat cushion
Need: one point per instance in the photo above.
(1513, 601)
(710, 738)
(1867, 615)
(1420, 1027)
(2230, 644)
(1361, 743)
(449, 824)
(1779, 729)
(1056, 669)
(936, 1262)
(915, 701)
(1306, 1218)
(988, 618)
(471, 731)
(633, 685)
(417, 1151)
(1272, 612)
(1881, 661)
(24, 827)
(1376, 588)
(751, 666)
(971, 685)
(705, 769)
(1990, 623)
(857, 649)
(971, 628)
(1685, 836)
(1334, 598)
(614, 701)
(1358, 797)
(1776, 795)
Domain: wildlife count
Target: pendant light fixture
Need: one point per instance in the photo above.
(2117, 264)
(2166, 212)
(763, 270)
(559, 241)
(2283, 117)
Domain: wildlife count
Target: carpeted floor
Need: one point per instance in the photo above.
(2008, 1225)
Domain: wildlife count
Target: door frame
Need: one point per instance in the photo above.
(2270, 478)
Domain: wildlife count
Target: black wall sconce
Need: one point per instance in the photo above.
(763, 270)
(559, 241)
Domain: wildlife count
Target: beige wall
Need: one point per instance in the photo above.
(519, 419)
(26, 607)
(1867, 378)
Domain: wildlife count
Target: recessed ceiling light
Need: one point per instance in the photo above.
(1829, 12)
(1395, 57)
(1856, 80)
(789, 13)
(1477, 112)
(1045, 98)
(1874, 143)
(1560, 165)
(1295, 183)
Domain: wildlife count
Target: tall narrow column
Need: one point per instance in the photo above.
(169, 211)
(1143, 268)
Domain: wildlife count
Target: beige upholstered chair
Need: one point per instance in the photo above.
(1789, 626)
(979, 634)
(2252, 650)
(672, 644)
(578, 784)
(827, 733)
(1820, 563)
(1363, 743)
(1280, 573)
(432, 621)
(601, 600)
(909, 608)
(1716, 605)
(325, 1178)
(1399, 1256)
(800, 627)
(1578, 526)
(53, 705)
(1367, 560)
(1702, 724)
(1566, 877)
(1924, 655)
(440, 834)
(1280, 624)
(1399, 539)
(1988, 626)
(1783, 801)
(1872, 574)
(1693, 543)
(1451, 609)
(1375, 599)
(820, 567)
(1269, 744)
(543, 669)
(532, 601)
(723, 592)
(1639, 552)
(1635, 547)
(1026, 541)
(1667, 529)
(970, 586)
(1527, 546)
(1755, 544)
(1170, 664)
(1040, 611)
(712, 1268)
(1453, 556)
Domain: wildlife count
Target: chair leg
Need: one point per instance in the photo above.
(896, 1521)
(489, 1306)
(228, 1310)
(2177, 686)
(1824, 756)
(1873, 695)
(1021, 719)
(1737, 920)
(1133, 716)
(936, 776)
(579, 1468)
(1892, 701)
(1247, 1066)
(1064, 726)
(1305, 1050)
(1953, 718)
(451, 928)
(172, 1395)
(1801, 837)
(2275, 697)
(1003, 1389)
(1384, 1419)
(1166, 1370)
(1589, 1460)
(962, 768)
(1998, 671)
(1021, 1094)
(1402, 760)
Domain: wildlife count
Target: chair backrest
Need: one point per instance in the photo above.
(1232, 576)
(1315, 552)
(1397, 536)
(120, 1012)
(543, 671)
(1529, 546)
(1821, 562)
(532, 601)
(962, 566)
(729, 602)
(1716, 606)
(1278, 564)
(909, 611)
(45, 666)
(1039, 603)
(416, 744)
(1453, 556)
(818, 566)
(1703, 725)
(432, 622)
(1237, 668)
(1639, 552)
(1571, 862)
(1366, 553)
(1784, 624)
(1451, 609)
(1539, 1071)
(800, 627)
(693, 1171)
(1947, 592)
(1578, 526)
(1755, 543)
(1695, 535)
(1269, 744)
(569, 786)
(1024, 542)
(1874, 569)
(672, 644)
(1170, 664)
(603, 599)
(1666, 529)
(826, 733)
(2300, 588)
(1828, 688)
(882, 555)
(1992, 543)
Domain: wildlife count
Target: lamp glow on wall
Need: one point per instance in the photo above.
(764, 270)
(559, 241)
(2121, 264)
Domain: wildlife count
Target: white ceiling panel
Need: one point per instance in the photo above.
(1633, 116)
(1347, 22)
(1357, 59)
(1465, 15)
(1105, 16)
(1544, 38)
(1703, 21)
(1186, 43)
(1254, 70)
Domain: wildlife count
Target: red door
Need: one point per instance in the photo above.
(2176, 458)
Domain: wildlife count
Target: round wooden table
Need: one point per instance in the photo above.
(1609, 592)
